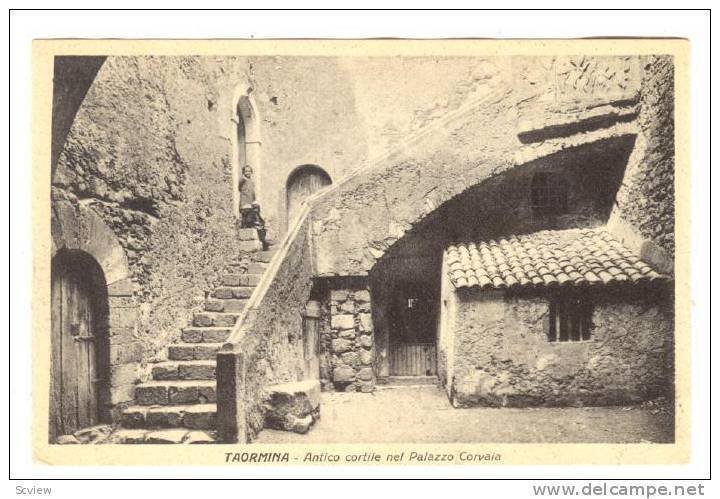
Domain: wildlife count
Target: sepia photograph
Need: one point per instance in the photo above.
(412, 248)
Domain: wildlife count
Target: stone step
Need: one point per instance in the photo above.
(264, 256)
(249, 245)
(240, 279)
(214, 319)
(205, 334)
(248, 235)
(175, 392)
(193, 351)
(229, 292)
(256, 268)
(184, 369)
(169, 436)
(225, 305)
(195, 417)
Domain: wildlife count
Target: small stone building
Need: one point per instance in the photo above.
(566, 317)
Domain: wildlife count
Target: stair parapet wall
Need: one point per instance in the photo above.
(266, 345)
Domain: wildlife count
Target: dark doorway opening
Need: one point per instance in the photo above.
(80, 353)
(405, 302)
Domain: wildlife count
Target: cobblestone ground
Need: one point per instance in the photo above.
(424, 415)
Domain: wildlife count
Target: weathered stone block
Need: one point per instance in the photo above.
(196, 371)
(348, 307)
(165, 370)
(231, 280)
(367, 387)
(256, 268)
(215, 335)
(67, 440)
(338, 295)
(172, 436)
(181, 352)
(123, 287)
(341, 345)
(202, 320)
(216, 305)
(199, 417)
(206, 394)
(96, 433)
(343, 374)
(366, 357)
(151, 395)
(366, 323)
(253, 245)
(248, 235)
(164, 417)
(224, 320)
(292, 406)
(348, 334)
(192, 335)
(124, 436)
(121, 302)
(350, 358)
(199, 437)
(133, 417)
(264, 256)
(183, 394)
(365, 341)
(125, 353)
(342, 321)
(365, 374)
(205, 351)
(362, 296)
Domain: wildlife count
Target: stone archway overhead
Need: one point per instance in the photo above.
(75, 227)
(389, 203)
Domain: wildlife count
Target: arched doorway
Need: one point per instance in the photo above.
(79, 381)
(304, 181)
(246, 146)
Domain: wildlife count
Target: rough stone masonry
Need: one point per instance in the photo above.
(348, 342)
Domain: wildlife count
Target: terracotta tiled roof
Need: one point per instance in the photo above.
(576, 257)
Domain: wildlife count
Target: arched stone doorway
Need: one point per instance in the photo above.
(89, 263)
(80, 348)
(246, 145)
(304, 181)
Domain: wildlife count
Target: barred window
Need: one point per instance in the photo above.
(570, 319)
(548, 194)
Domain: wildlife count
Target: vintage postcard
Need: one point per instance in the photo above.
(388, 252)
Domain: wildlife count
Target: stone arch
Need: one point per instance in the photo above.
(498, 205)
(302, 182)
(246, 141)
(78, 230)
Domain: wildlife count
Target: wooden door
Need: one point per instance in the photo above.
(302, 183)
(413, 335)
(75, 333)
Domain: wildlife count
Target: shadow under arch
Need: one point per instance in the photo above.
(498, 206)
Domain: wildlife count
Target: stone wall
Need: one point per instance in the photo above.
(646, 201)
(505, 359)
(271, 335)
(347, 341)
(518, 109)
(150, 152)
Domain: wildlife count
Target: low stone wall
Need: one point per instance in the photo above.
(505, 359)
(268, 348)
(347, 341)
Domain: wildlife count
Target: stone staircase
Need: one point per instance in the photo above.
(179, 404)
